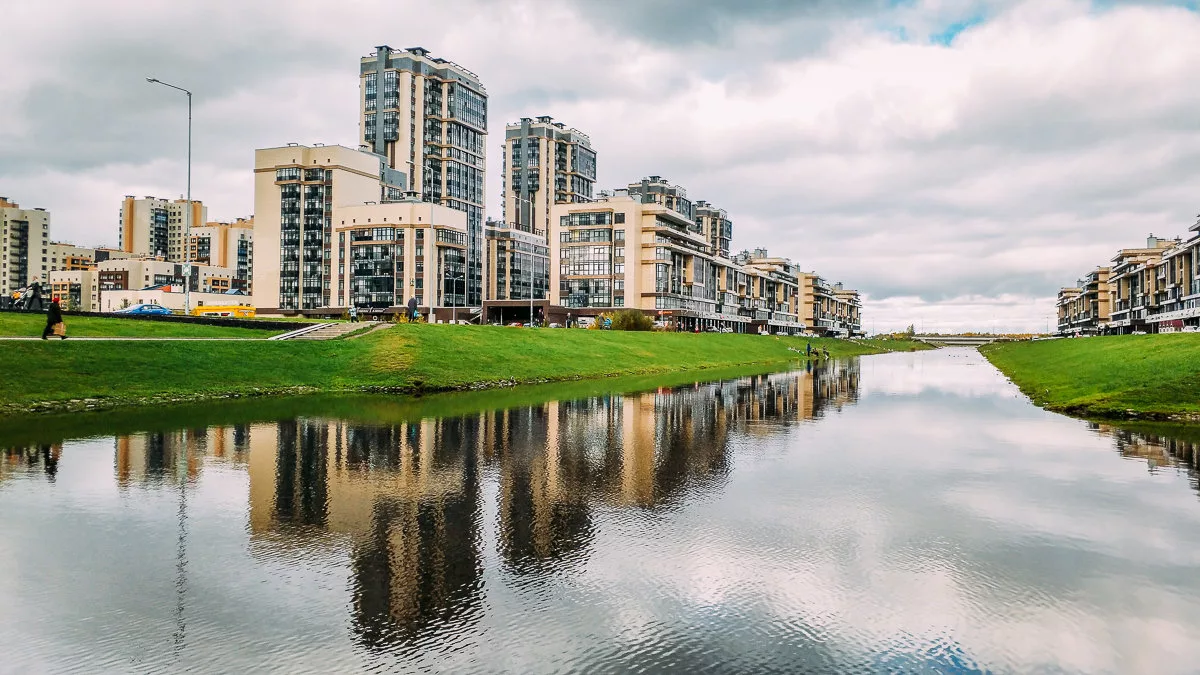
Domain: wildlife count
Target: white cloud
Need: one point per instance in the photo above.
(964, 182)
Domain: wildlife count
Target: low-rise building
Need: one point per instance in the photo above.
(137, 273)
(173, 298)
(77, 290)
(64, 256)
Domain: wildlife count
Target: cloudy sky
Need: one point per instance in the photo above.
(956, 161)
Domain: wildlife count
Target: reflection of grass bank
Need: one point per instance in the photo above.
(1149, 376)
(410, 359)
(355, 407)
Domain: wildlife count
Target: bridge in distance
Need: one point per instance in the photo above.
(960, 340)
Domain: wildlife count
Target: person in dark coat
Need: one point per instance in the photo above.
(53, 318)
(412, 308)
(35, 296)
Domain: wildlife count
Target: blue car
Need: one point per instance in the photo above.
(144, 309)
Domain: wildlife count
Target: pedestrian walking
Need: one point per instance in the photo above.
(808, 349)
(54, 322)
(412, 308)
(353, 313)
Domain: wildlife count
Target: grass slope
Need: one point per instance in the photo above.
(31, 325)
(422, 358)
(1119, 376)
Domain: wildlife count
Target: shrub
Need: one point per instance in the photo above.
(631, 319)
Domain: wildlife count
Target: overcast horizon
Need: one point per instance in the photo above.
(956, 162)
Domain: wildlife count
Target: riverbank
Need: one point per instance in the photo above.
(1154, 377)
(14, 324)
(413, 359)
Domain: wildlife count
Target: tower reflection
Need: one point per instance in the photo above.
(403, 503)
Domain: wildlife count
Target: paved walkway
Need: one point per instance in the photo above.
(9, 338)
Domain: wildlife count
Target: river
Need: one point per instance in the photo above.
(897, 513)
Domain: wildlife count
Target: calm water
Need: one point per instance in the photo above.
(901, 513)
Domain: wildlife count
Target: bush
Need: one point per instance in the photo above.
(631, 319)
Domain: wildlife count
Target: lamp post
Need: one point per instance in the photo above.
(187, 219)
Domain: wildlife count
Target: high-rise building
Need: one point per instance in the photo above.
(296, 189)
(227, 245)
(24, 240)
(544, 164)
(518, 269)
(715, 226)
(155, 227)
(428, 118)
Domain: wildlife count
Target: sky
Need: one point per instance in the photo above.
(956, 162)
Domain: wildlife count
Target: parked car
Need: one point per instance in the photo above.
(1190, 329)
(1138, 332)
(144, 308)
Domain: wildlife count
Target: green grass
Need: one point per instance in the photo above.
(420, 358)
(31, 325)
(1155, 376)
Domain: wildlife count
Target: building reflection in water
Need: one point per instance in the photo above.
(171, 456)
(1158, 451)
(30, 459)
(406, 500)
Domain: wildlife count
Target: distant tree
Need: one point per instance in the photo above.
(910, 331)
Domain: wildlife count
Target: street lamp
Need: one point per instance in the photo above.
(187, 228)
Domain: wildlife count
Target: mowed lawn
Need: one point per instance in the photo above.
(416, 358)
(14, 324)
(1106, 376)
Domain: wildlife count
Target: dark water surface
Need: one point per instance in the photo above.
(900, 513)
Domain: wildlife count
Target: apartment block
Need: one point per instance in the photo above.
(154, 227)
(24, 246)
(1084, 309)
(1136, 283)
(428, 117)
(544, 163)
(518, 270)
(829, 309)
(714, 224)
(640, 247)
(388, 253)
(227, 245)
(296, 190)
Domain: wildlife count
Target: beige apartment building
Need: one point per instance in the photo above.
(543, 164)
(76, 289)
(518, 271)
(427, 117)
(227, 245)
(154, 227)
(714, 224)
(640, 247)
(296, 190)
(24, 245)
(1084, 309)
(1135, 284)
(388, 253)
(829, 309)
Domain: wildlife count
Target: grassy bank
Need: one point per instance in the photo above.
(69, 375)
(14, 324)
(1124, 376)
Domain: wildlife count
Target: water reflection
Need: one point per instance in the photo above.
(774, 523)
(1160, 448)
